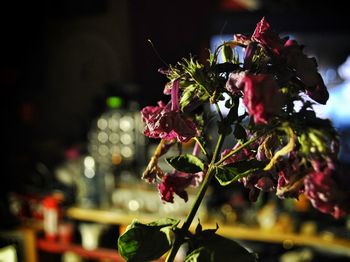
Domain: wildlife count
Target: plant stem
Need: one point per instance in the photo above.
(205, 153)
(244, 145)
(154, 160)
(236, 150)
(200, 195)
(219, 111)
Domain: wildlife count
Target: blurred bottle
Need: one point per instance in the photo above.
(50, 215)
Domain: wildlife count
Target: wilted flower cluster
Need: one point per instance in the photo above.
(287, 146)
(276, 147)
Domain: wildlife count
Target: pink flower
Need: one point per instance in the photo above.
(249, 53)
(326, 194)
(289, 184)
(288, 52)
(234, 83)
(265, 36)
(241, 39)
(265, 184)
(306, 70)
(166, 121)
(289, 178)
(243, 154)
(162, 122)
(176, 183)
(256, 182)
(148, 113)
(261, 97)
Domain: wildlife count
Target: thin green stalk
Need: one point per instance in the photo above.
(244, 145)
(205, 153)
(219, 111)
(236, 150)
(200, 195)
(154, 160)
(204, 186)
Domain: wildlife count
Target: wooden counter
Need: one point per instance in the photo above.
(327, 243)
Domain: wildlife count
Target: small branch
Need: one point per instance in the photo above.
(205, 153)
(219, 111)
(154, 160)
(236, 150)
(243, 146)
(200, 195)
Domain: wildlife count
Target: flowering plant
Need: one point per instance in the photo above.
(278, 148)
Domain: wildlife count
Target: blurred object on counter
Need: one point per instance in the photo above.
(25, 206)
(65, 232)
(70, 256)
(51, 217)
(115, 138)
(302, 204)
(8, 253)
(143, 199)
(285, 223)
(68, 172)
(116, 149)
(303, 255)
(90, 234)
(308, 228)
(89, 184)
(267, 216)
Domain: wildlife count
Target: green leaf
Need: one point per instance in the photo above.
(227, 53)
(164, 222)
(211, 247)
(138, 242)
(186, 163)
(187, 96)
(192, 93)
(232, 172)
(200, 254)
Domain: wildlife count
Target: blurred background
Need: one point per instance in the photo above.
(74, 75)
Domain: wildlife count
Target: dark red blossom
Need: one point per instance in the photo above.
(162, 122)
(241, 39)
(262, 97)
(265, 184)
(234, 83)
(176, 183)
(265, 36)
(258, 181)
(166, 121)
(249, 53)
(261, 94)
(288, 53)
(243, 154)
(290, 178)
(306, 70)
(326, 194)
